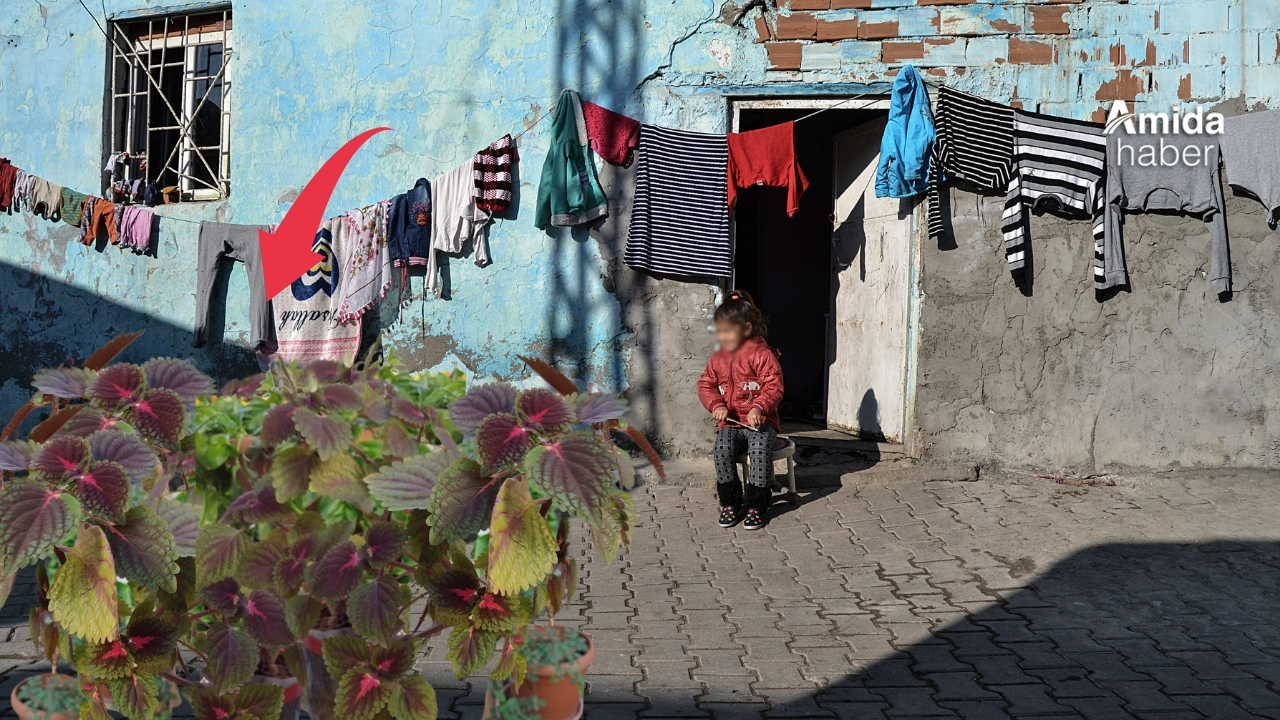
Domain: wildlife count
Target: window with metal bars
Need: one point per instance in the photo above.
(171, 104)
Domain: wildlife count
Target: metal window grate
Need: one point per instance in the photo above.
(171, 102)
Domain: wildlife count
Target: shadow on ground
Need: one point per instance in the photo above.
(1117, 631)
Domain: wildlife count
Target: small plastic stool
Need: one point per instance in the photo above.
(783, 449)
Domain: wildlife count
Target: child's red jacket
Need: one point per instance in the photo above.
(746, 378)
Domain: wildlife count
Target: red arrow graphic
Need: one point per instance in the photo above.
(286, 253)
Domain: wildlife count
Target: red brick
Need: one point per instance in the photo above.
(796, 26)
(878, 31)
(1049, 20)
(1126, 86)
(1184, 87)
(810, 4)
(892, 52)
(850, 4)
(1030, 52)
(1004, 26)
(832, 30)
(763, 32)
(1150, 58)
(783, 56)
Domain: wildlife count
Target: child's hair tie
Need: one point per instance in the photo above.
(735, 296)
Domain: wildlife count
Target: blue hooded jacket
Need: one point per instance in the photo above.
(409, 227)
(907, 145)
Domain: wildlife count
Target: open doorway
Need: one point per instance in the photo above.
(834, 279)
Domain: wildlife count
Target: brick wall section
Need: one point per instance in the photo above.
(1069, 57)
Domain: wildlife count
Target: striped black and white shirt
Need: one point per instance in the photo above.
(680, 216)
(1059, 165)
(975, 144)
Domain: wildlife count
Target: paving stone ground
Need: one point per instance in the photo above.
(893, 596)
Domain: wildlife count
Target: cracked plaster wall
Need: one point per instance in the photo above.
(1161, 377)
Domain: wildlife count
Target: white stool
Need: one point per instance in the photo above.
(786, 452)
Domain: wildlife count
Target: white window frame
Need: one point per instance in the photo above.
(170, 32)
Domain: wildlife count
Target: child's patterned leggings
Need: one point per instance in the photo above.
(757, 444)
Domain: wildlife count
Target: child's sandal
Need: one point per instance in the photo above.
(729, 516)
(754, 521)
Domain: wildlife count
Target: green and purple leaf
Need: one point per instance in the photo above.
(180, 376)
(15, 455)
(337, 573)
(209, 704)
(159, 415)
(152, 641)
(264, 618)
(259, 701)
(103, 490)
(219, 551)
(415, 699)
(61, 457)
(103, 661)
(144, 550)
(408, 412)
(345, 652)
(394, 659)
(33, 518)
(502, 614)
(407, 485)
(259, 566)
(183, 521)
(302, 612)
(117, 386)
(232, 657)
(341, 398)
(291, 472)
(257, 506)
(361, 695)
(138, 460)
(69, 383)
(328, 435)
(54, 423)
(383, 543)
(396, 441)
(501, 440)
(481, 401)
(224, 597)
(86, 422)
(469, 649)
(576, 470)
(135, 695)
(277, 424)
(374, 609)
(454, 594)
(544, 410)
(596, 407)
(461, 502)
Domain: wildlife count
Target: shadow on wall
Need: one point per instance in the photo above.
(1124, 630)
(598, 53)
(50, 323)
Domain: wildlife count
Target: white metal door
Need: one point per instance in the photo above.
(871, 257)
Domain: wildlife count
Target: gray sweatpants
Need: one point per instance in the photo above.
(222, 243)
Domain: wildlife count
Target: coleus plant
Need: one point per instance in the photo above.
(531, 460)
(87, 496)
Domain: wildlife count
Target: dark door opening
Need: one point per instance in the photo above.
(786, 262)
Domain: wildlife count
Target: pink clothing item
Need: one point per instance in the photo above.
(366, 267)
(134, 229)
(612, 135)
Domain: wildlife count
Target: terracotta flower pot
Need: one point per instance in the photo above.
(555, 686)
(321, 688)
(24, 712)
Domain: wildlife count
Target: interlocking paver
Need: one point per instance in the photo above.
(1006, 597)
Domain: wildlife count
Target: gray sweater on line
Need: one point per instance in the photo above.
(1196, 189)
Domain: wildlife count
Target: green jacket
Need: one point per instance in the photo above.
(569, 192)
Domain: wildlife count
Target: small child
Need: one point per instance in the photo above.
(741, 388)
